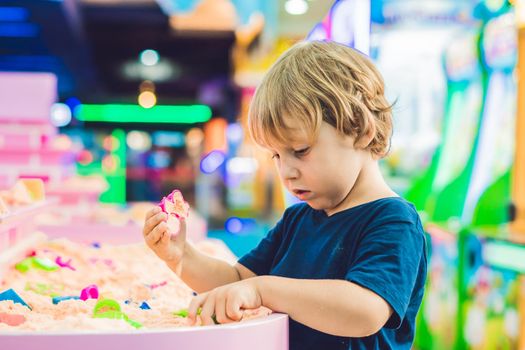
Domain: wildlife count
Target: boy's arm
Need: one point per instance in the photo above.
(202, 272)
(336, 307)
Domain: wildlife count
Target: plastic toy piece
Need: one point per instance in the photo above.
(174, 204)
(145, 306)
(10, 294)
(184, 313)
(95, 245)
(161, 284)
(12, 319)
(62, 263)
(181, 313)
(44, 264)
(24, 265)
(133, 323)
(90, 292)
(39, 263)
(110, 314)
(176, 207)
(106, 305)
(59, 299)
(109, 308)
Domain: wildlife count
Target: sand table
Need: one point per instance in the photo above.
(146, 292)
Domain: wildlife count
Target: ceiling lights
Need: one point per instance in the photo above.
(296, 7)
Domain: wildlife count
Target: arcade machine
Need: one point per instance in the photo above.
(449, 165)
(491, 255)
(416, 83)
(414, 80)
(486, 280)
(460, 126)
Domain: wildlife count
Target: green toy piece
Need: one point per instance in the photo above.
(109, 308)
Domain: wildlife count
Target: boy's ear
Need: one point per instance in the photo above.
(367, 138)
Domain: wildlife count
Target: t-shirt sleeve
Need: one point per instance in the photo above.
(387, 262)
(259, 260)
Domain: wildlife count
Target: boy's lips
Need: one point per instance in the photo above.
(301, 194)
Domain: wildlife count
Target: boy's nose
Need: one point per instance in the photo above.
(289, 172)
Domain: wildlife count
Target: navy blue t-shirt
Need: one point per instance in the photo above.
(379, 245)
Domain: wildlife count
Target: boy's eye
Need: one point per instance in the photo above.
(275, 156)
(301, 152)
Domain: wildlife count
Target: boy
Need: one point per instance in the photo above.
(348, 264)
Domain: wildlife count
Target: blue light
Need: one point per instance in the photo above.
(149, 57)
(18, 30)
(72, 103)
(13, 14)
(36, 63)
(212, 161)
(158, 160)
(234, 133)
(233, 225)
(168, 138)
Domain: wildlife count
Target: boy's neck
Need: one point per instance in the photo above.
(369, 186)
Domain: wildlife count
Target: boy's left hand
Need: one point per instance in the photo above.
(226, 302)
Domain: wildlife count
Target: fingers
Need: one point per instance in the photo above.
(206, 302)
(220, 311)
(208, 310)
(165, 237)
(152, 212)
(194, 306)
(153, 221)
(157, 234)
(215, 304)
(233, 309)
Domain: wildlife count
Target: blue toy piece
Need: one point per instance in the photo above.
(10, 294)
(145, 306)
(57, 300)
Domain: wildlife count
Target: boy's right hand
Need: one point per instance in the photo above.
(169, 246)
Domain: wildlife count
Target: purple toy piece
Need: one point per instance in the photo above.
(61, 263)
(174, 204)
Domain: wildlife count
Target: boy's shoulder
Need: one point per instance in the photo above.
(395, 205)
(383, 213)
(394, 214)
(392, 209)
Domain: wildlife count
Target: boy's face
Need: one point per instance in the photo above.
(323, 173)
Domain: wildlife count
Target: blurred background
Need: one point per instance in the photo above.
(115, 103)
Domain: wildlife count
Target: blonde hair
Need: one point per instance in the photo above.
(321, 81)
